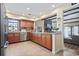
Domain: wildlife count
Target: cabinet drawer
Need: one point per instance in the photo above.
(16, 34)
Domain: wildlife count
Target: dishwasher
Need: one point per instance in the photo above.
(23, 36)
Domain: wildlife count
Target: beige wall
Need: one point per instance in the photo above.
(58, 38)
(39, 23)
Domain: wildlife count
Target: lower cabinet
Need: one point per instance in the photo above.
(49, 41)
(16, 37)
(39, 38)
(42, 39)
(10, 37)
(13, 37)
(33, 37)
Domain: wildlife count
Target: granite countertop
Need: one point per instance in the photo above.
(42, 33)
(57, 32)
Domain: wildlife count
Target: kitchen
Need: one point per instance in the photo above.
(27, 34)
(46, 32)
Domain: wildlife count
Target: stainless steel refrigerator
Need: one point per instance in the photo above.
(2, 29)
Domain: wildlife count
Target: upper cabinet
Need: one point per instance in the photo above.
(26, 24)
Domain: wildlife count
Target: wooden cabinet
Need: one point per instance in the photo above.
(48, 41)
(23, 24)
(26, 24)
(10, 37)
(16, 37)
(30, 36)
(13, 37)
(42, 39)
(33, 37)
(39, 38)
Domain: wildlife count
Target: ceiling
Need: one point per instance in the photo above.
(32, 10)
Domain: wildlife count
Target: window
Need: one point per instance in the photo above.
(67, 32)
(75, 30)
(12, 25)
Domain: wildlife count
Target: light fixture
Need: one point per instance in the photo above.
(40, 13)
(53, 6)
(28, 8)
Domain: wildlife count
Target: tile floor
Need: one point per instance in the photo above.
(29, 48)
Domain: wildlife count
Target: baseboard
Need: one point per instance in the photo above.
(54, 52)
(19, 41)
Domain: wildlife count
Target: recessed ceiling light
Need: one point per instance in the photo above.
(40, 13)
(28, 8)
(53, 6)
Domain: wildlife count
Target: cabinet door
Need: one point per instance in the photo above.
(29, 35)
(10, 37)
(32, 36)
(23, 24)
(17, 37)
(39, 39)
(35, 38)
(49, 41)
(43, 40)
